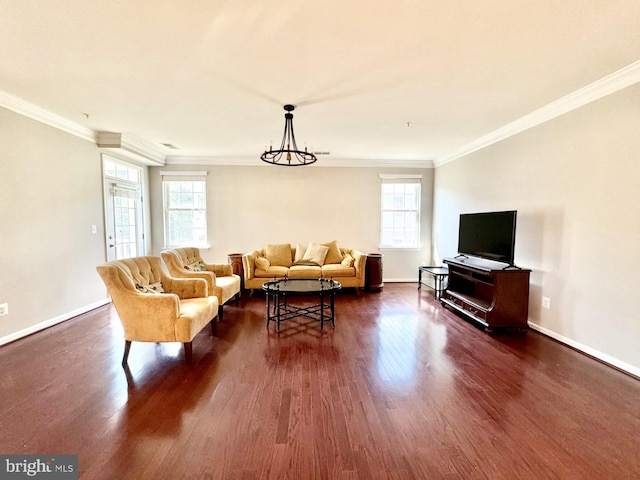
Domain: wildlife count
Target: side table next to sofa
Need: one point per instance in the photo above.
(439, 275)
(235, 259)
(373, 273)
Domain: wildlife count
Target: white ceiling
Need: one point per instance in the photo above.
(211, 76)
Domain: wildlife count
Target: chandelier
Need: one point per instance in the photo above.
(286, 155)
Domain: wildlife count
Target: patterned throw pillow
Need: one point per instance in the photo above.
(196, 267)
(153, 288)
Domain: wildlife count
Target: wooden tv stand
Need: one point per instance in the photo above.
(490, 293)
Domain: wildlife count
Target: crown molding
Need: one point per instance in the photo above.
(612, 83)
(27, 109)
(322, 162)
(123, 145)
(115, 143)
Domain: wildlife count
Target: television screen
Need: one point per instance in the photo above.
(490, 235)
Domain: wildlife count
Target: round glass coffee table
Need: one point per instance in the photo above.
(278, 292)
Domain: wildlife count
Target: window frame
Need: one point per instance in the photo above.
(186, 177)
(401, 180)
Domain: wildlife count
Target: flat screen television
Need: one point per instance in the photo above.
(490, 235)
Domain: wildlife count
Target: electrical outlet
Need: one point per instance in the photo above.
(94, 229)
(4, 309)
(546, 302)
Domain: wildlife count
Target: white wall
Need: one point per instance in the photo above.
(50, 195)
(249, 207)
(574, 181)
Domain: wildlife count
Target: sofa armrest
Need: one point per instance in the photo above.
(186, 287)
(148, 317)
(249, 264)
(360, 260)
(220, 269)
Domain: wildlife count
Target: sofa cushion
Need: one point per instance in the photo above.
(304, 271)
(262, 263)
(315, 254)
(279, 255)
(333, 255)
(337, 270)
(271, 272)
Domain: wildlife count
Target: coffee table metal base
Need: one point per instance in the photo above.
(277, 293)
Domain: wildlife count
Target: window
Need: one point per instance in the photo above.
(185, 208)
(117, 169)
(400, 216)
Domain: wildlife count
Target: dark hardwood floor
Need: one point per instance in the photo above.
(401, 389)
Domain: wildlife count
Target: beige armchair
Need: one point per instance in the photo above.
(187, 262)
(147, 314)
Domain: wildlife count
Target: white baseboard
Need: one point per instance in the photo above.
(635, 371)
(51, 322)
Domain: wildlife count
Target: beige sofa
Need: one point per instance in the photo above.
(187, 263)
(326, 260)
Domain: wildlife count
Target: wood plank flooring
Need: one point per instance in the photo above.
(400, 389)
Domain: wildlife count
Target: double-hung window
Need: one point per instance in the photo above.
(400, 215)
(185, 208)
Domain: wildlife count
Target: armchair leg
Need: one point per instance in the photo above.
(213, 326)
(127, 347)
(220, 312)
(187, 352)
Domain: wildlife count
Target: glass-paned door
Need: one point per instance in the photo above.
(123, 211)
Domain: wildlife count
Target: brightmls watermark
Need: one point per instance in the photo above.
(49, 467)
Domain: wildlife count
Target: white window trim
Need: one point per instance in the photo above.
(401, 178)
(181, 175)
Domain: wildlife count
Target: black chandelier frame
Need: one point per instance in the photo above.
(288, 157)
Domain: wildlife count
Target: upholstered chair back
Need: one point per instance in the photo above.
(186, 262)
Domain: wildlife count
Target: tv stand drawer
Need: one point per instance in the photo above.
(475, 311)
(466, 306)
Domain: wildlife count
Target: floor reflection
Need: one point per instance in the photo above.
(396, 348)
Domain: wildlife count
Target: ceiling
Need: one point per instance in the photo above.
(396, 81)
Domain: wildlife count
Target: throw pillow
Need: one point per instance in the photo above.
(300, 250)
(348, 261)
(262, 263)
(196, 267)
(153, 288)
(278, 254)
(333, 255)
(315, 254)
